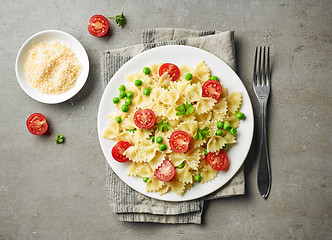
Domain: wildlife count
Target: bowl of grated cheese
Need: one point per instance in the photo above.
(52, 66)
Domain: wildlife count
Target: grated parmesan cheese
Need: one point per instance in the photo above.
(52, 68)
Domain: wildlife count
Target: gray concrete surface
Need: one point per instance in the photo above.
(50, 191)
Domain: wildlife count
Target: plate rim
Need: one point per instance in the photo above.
(75, 89)
(149, 194)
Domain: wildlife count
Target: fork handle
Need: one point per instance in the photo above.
(264, 170)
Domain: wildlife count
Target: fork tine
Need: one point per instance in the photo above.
(259, 81)
(255, 67)
(268, 79)
(263, 69)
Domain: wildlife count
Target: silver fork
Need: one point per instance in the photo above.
(262, 87)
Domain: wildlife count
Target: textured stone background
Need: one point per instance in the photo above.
(50, 191)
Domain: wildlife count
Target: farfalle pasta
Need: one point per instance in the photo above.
(173, 126)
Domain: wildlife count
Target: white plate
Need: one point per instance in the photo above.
(51, 36)
(188, 56)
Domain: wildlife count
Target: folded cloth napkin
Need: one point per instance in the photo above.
(130, 205)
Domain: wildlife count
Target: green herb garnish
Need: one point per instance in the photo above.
(185, 109)
(59, 139)
(132, 130)
(120, 19)
(202, 133)
(163, 125)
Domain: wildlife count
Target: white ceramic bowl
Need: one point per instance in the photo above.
(51, 36)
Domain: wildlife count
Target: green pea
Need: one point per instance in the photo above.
(146, 179)
(227, 125)
(124, 108)
(116, 100)
(122, 88)
(162, 147)
(220, 124)
(138, 83)
(197, 178)
(118, 119)
(122, 94)
(218, 132)
(159, 140)
(224, 147)
(240, 115)
(206, 151)
(214, 78)
(189, 76)
(146, 70)
(152, 138)
(129, 94)
(128, 101)
(146, 91)
(181, 165)
(232, 131)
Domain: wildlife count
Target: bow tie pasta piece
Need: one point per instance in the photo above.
(229, 138)
(134, 76)
(204, 117)
(163, 81)
(216, 143)
(144, 170)
(189, 127)
(157, 93)
(233, 120)
(202, 72)
(206, 171)
(185, 175)
(193, 93)
(205, 104)
(137, 169)
(234, 102)
(176, 185)
(113, 130)
(157, 160)
(184, 69)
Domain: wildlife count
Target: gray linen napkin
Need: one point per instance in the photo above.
(130, 205)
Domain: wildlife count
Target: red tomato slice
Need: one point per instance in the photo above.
(165, 172)
(218, 161)
(37, 124)
(119, 149)
(144, 119)
(98, 25)
(179, 141)
(172, 70)
(212, 89)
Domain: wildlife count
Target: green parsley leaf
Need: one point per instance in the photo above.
(202, 133)
(59, 139)
(163, 125)
(185, 109)
(132, 130)
(120, 19)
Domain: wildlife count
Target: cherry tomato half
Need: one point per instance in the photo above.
(212, 88)
(98, 25)
(172, 70)
(179, 141)
(165, 172)
(144, 119)
(37, 124)
(119, 149)
(218, 161)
